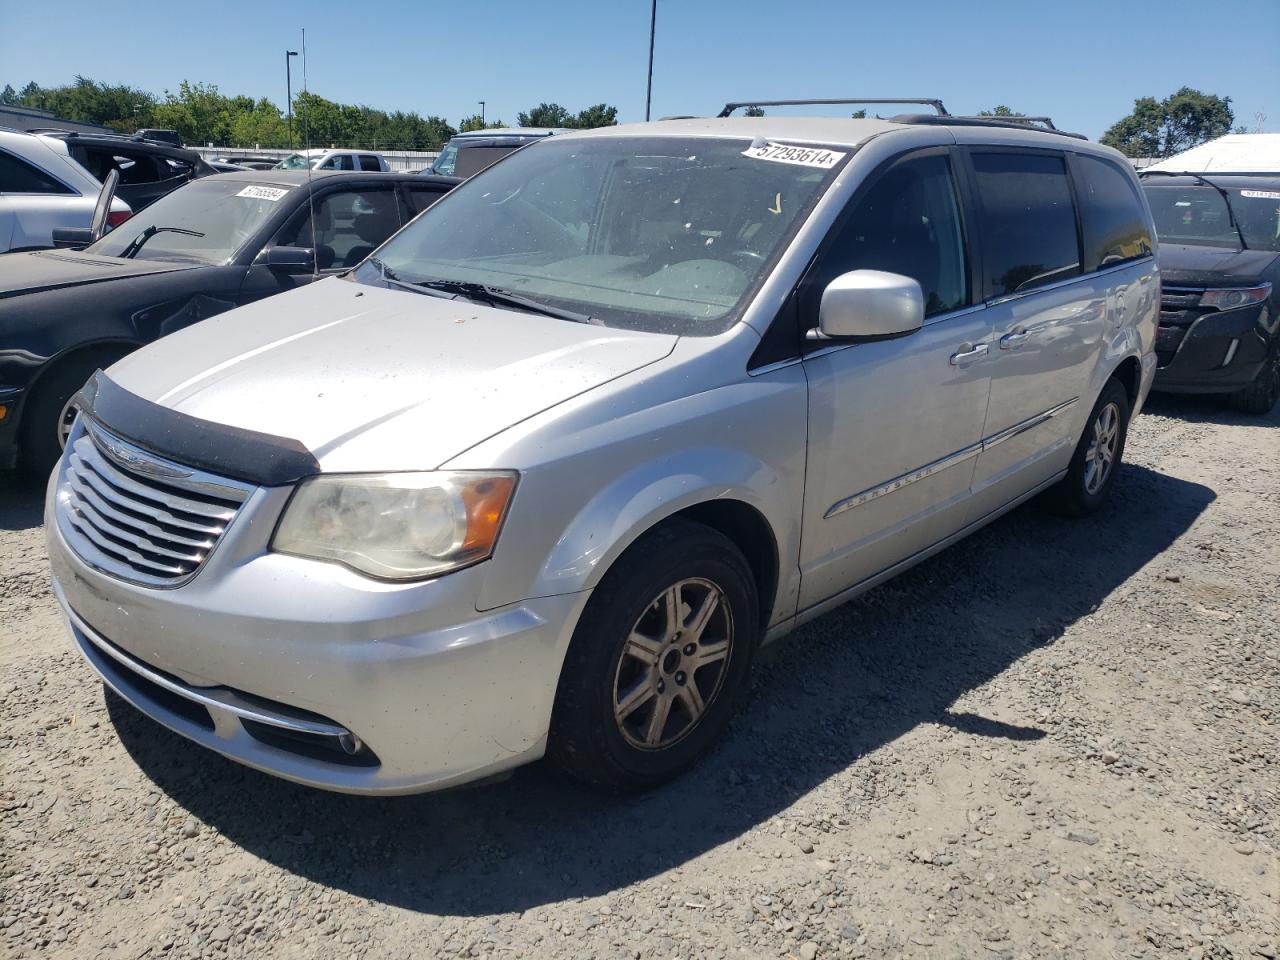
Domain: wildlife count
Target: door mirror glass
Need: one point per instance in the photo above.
(870, 304)
(98, 225)
(292, 259)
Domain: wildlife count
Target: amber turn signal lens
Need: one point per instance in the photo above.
(486, 503)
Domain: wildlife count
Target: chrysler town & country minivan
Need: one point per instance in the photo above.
(541, 474)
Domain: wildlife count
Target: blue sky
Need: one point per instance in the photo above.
(1081, 61)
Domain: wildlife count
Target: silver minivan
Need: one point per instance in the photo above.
(543, 473)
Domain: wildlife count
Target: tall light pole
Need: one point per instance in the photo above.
(288, 92)
(653, 23)
(482, 113)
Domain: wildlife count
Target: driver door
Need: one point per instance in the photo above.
(895, 425)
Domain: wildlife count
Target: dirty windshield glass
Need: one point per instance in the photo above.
(1198, 215)
(657, 233)
(227, 212)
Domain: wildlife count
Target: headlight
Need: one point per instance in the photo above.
(397, 526)
(1229, 298)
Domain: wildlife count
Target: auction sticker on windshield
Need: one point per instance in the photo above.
(256, 192)
(802, 156)
(1261, 194)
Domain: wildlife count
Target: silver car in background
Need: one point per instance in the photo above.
(43, 189)
(542, 473)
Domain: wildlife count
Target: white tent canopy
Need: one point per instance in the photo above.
(1234, 153)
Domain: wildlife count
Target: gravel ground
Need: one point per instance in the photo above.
(1056, 739)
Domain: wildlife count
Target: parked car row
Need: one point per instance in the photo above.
(538, 464)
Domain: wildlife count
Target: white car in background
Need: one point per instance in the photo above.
(43, 189)
(321, 159)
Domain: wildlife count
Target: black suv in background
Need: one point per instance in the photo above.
(148, 168)
(1220, 269)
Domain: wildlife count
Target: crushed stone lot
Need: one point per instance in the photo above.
(1055, 739)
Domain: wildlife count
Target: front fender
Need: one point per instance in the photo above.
(640, 499)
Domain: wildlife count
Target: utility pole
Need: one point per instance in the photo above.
(653, 23)
(288, 92)
(482, 113)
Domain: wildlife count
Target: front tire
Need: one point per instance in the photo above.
(47, 417)
(657, 661)
(1260, 396)
(1096, 460)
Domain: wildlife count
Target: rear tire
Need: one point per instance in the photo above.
(657, 661)
(1260, 396)
(1096, 460)
(46, 414)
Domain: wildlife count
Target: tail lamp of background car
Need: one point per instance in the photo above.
(117, 217)
(397, 526)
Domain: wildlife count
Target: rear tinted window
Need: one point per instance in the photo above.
(369, 163)
(1028, 221)
(422, 197)
(1115, 226)
(18, 176)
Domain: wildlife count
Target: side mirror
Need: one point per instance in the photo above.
(102, 209)
(292, 259)
(73, 238)
(869, 305)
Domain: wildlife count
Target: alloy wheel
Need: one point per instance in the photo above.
(65, 420)
(673, 665)
(1100, 457)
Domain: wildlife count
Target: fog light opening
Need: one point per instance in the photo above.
(1231, 352)
(350, 743)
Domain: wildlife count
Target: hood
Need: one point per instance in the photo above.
(1186, 265)
(52, 269)
(371, 379)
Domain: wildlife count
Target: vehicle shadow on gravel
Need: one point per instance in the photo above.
(843, 686)
(1207, 409)
(21, 501)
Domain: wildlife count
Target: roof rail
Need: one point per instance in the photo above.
(1006, 123)
(932, 102)
(1016, 118)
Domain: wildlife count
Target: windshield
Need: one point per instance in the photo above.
(444, 163)
(296, 161)
(661, 234)
(1198, 214)
(226, 211)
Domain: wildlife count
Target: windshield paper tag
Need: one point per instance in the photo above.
(801, 156)
(256, 192)
(1261, 194)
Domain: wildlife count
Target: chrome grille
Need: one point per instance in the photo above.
(137, 516)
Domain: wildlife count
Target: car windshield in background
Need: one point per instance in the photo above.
(655, 233)
(444, 163)
(1198, 215)
(227, 212)
(296, 161)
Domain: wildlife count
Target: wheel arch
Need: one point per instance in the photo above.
(108, 347)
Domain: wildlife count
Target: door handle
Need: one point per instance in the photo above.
(968, 352)
(1012, 341)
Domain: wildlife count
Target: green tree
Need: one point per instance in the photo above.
(260, 126)
(198, 112)
(1162, 128)
(545, 115)
(753, 111)
(1000, 110)
(860, 114)
(474, 122)
(9, 97)
(598, 115)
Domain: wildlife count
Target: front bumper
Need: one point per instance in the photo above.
(271, 660)
(1203, 358)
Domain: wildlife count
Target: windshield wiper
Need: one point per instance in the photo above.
(1226, 197)
(391, 278)
(498, 297)
(136, 243)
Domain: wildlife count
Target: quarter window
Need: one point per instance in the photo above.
(1028, 221)
(907, 223)
(18, 176)
(1115, 226)
(369, 163)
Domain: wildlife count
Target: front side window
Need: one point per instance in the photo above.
(907, 222)
(1028, 221)
(665, 234)
(344, 227)
(227, 212)
(18, 176)
(1115, 226)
